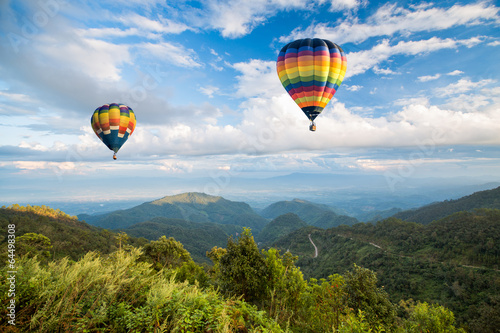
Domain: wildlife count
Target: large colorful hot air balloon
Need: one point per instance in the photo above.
(311, 70)
(113, 124)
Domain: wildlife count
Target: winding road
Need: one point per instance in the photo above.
(315, 248)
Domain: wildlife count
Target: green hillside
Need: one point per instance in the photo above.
(454, 261)
(319, 215)
(197, 238)
(67, 236)
(331, 219)
(306, 210)
(146, 288)
(195, 207)
(280, 226)
(439, 210)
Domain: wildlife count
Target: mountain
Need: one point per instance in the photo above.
(280, 226)
(378, 215)
(197, 237)
(330, 220)
(439, 210)
(68, 236)
(306, 210)
(319, 215)
(453, 261)
(194, 207)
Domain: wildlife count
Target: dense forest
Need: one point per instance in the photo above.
(392, 276)
(453, 261)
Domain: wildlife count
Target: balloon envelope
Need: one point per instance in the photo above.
(113, 124)
(311, 71)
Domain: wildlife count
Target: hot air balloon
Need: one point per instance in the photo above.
(311, 71)
(113, 124)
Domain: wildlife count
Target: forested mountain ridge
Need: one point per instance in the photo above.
(306, 210)
(197, 238)
(439, 210)
(454, 261)
(57, 234)
(195, 207)
(280, 226)
(319, 215)
(407, 259)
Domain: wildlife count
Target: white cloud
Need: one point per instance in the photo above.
(426, 78)
(384, 71)
(463, 85)
(13, 97)
(96, 58)
(412, 101)
(339, 5)
(455, 73)
(160, 25)
(239, 17)
(360, 62)
(175, 54)
(258, 78)
(209, 91)
(390, 19)
(352, 87)
(41, 165)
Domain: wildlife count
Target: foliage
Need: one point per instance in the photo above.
(68, 236)
(32, 244)
(363, 294)
(41, 210)
(160, 289)
(452, 262)
(197, 238)
(121, 294)
(241, 269)
(430, 318)
(166, 252)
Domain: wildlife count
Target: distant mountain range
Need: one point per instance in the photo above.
(215, 212)
(439, 210)
(194, 207)
(449, 256)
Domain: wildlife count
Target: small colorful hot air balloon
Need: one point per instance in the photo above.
(311, 71)
(113, 124)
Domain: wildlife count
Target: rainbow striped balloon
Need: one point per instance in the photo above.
(311, 70)
(113, 124)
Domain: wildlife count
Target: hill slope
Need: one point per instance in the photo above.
(439, 210)
(197, 238)
(68, 236)
(319, 215)
(454, 261)
(280, 226)
(195, 207)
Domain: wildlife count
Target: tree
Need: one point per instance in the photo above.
(284, 285)
(166, 252)
(32, 244)
(431, 318)
(363, 294)
(242, 269)
(121, 238)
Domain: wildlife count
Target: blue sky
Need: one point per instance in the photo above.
(421, 97)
